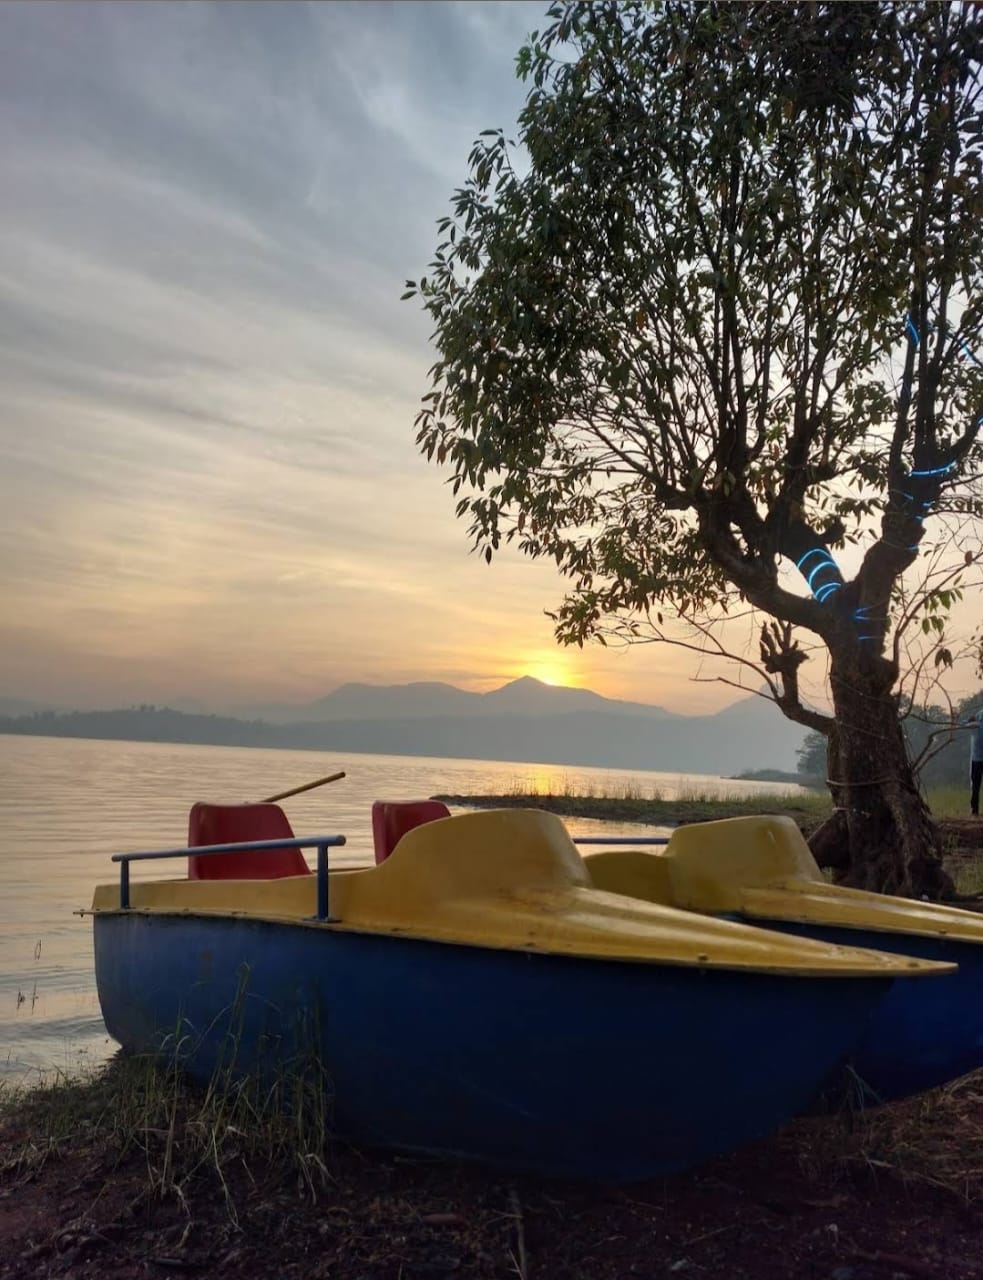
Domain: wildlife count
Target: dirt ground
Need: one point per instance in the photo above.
(891, 1195)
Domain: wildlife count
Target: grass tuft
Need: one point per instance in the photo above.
(629, 804)
(184, 1131)
(934, 1139)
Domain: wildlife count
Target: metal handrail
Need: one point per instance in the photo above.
(320, 843)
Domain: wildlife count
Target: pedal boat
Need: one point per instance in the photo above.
(476, 997)
(760, 870)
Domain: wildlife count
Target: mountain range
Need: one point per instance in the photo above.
(426, 700)
(525, 720)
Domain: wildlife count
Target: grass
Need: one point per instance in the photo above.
(634, 792)
(188, 1133)
(183, 1131)
(137, 1169)
(949, 802)
(934, 1139)
(967, 875)
(633, 803)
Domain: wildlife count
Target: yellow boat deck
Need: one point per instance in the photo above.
(509, 879)
(762, 868)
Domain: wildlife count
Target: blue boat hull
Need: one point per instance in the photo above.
(552, 1065)
(923, 1034)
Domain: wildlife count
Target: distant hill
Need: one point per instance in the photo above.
(524, 721)
(20, 707)
(367, 702)
(428, 700)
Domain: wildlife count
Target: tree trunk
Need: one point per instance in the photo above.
(881, 836)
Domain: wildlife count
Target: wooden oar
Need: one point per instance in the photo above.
(308, 786)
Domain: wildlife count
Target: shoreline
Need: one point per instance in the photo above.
(808, 810)
(963, 836)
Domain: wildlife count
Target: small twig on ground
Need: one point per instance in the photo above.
(520, 1234)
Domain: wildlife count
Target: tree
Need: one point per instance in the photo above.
(718, 318)
(812, 766)
(935, 737)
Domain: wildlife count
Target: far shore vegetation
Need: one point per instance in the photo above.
(808, 806)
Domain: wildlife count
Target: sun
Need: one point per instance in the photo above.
(548, 668)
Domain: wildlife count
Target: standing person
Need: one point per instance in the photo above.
(975, 761)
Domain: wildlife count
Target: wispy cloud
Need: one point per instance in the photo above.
(207, 471)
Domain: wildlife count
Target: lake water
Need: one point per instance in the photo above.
(67, 804)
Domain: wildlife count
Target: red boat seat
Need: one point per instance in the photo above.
(238, 823)
(392, 819)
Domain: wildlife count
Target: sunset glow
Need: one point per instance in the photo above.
(211, 489)
(554, 669)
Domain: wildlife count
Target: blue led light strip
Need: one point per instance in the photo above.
(970, 355)
(932, 471)
(820, 568)
(826, 564)
(813, 551)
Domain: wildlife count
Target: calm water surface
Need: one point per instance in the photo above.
(67, 804)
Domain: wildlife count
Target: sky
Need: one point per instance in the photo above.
(209, 486)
